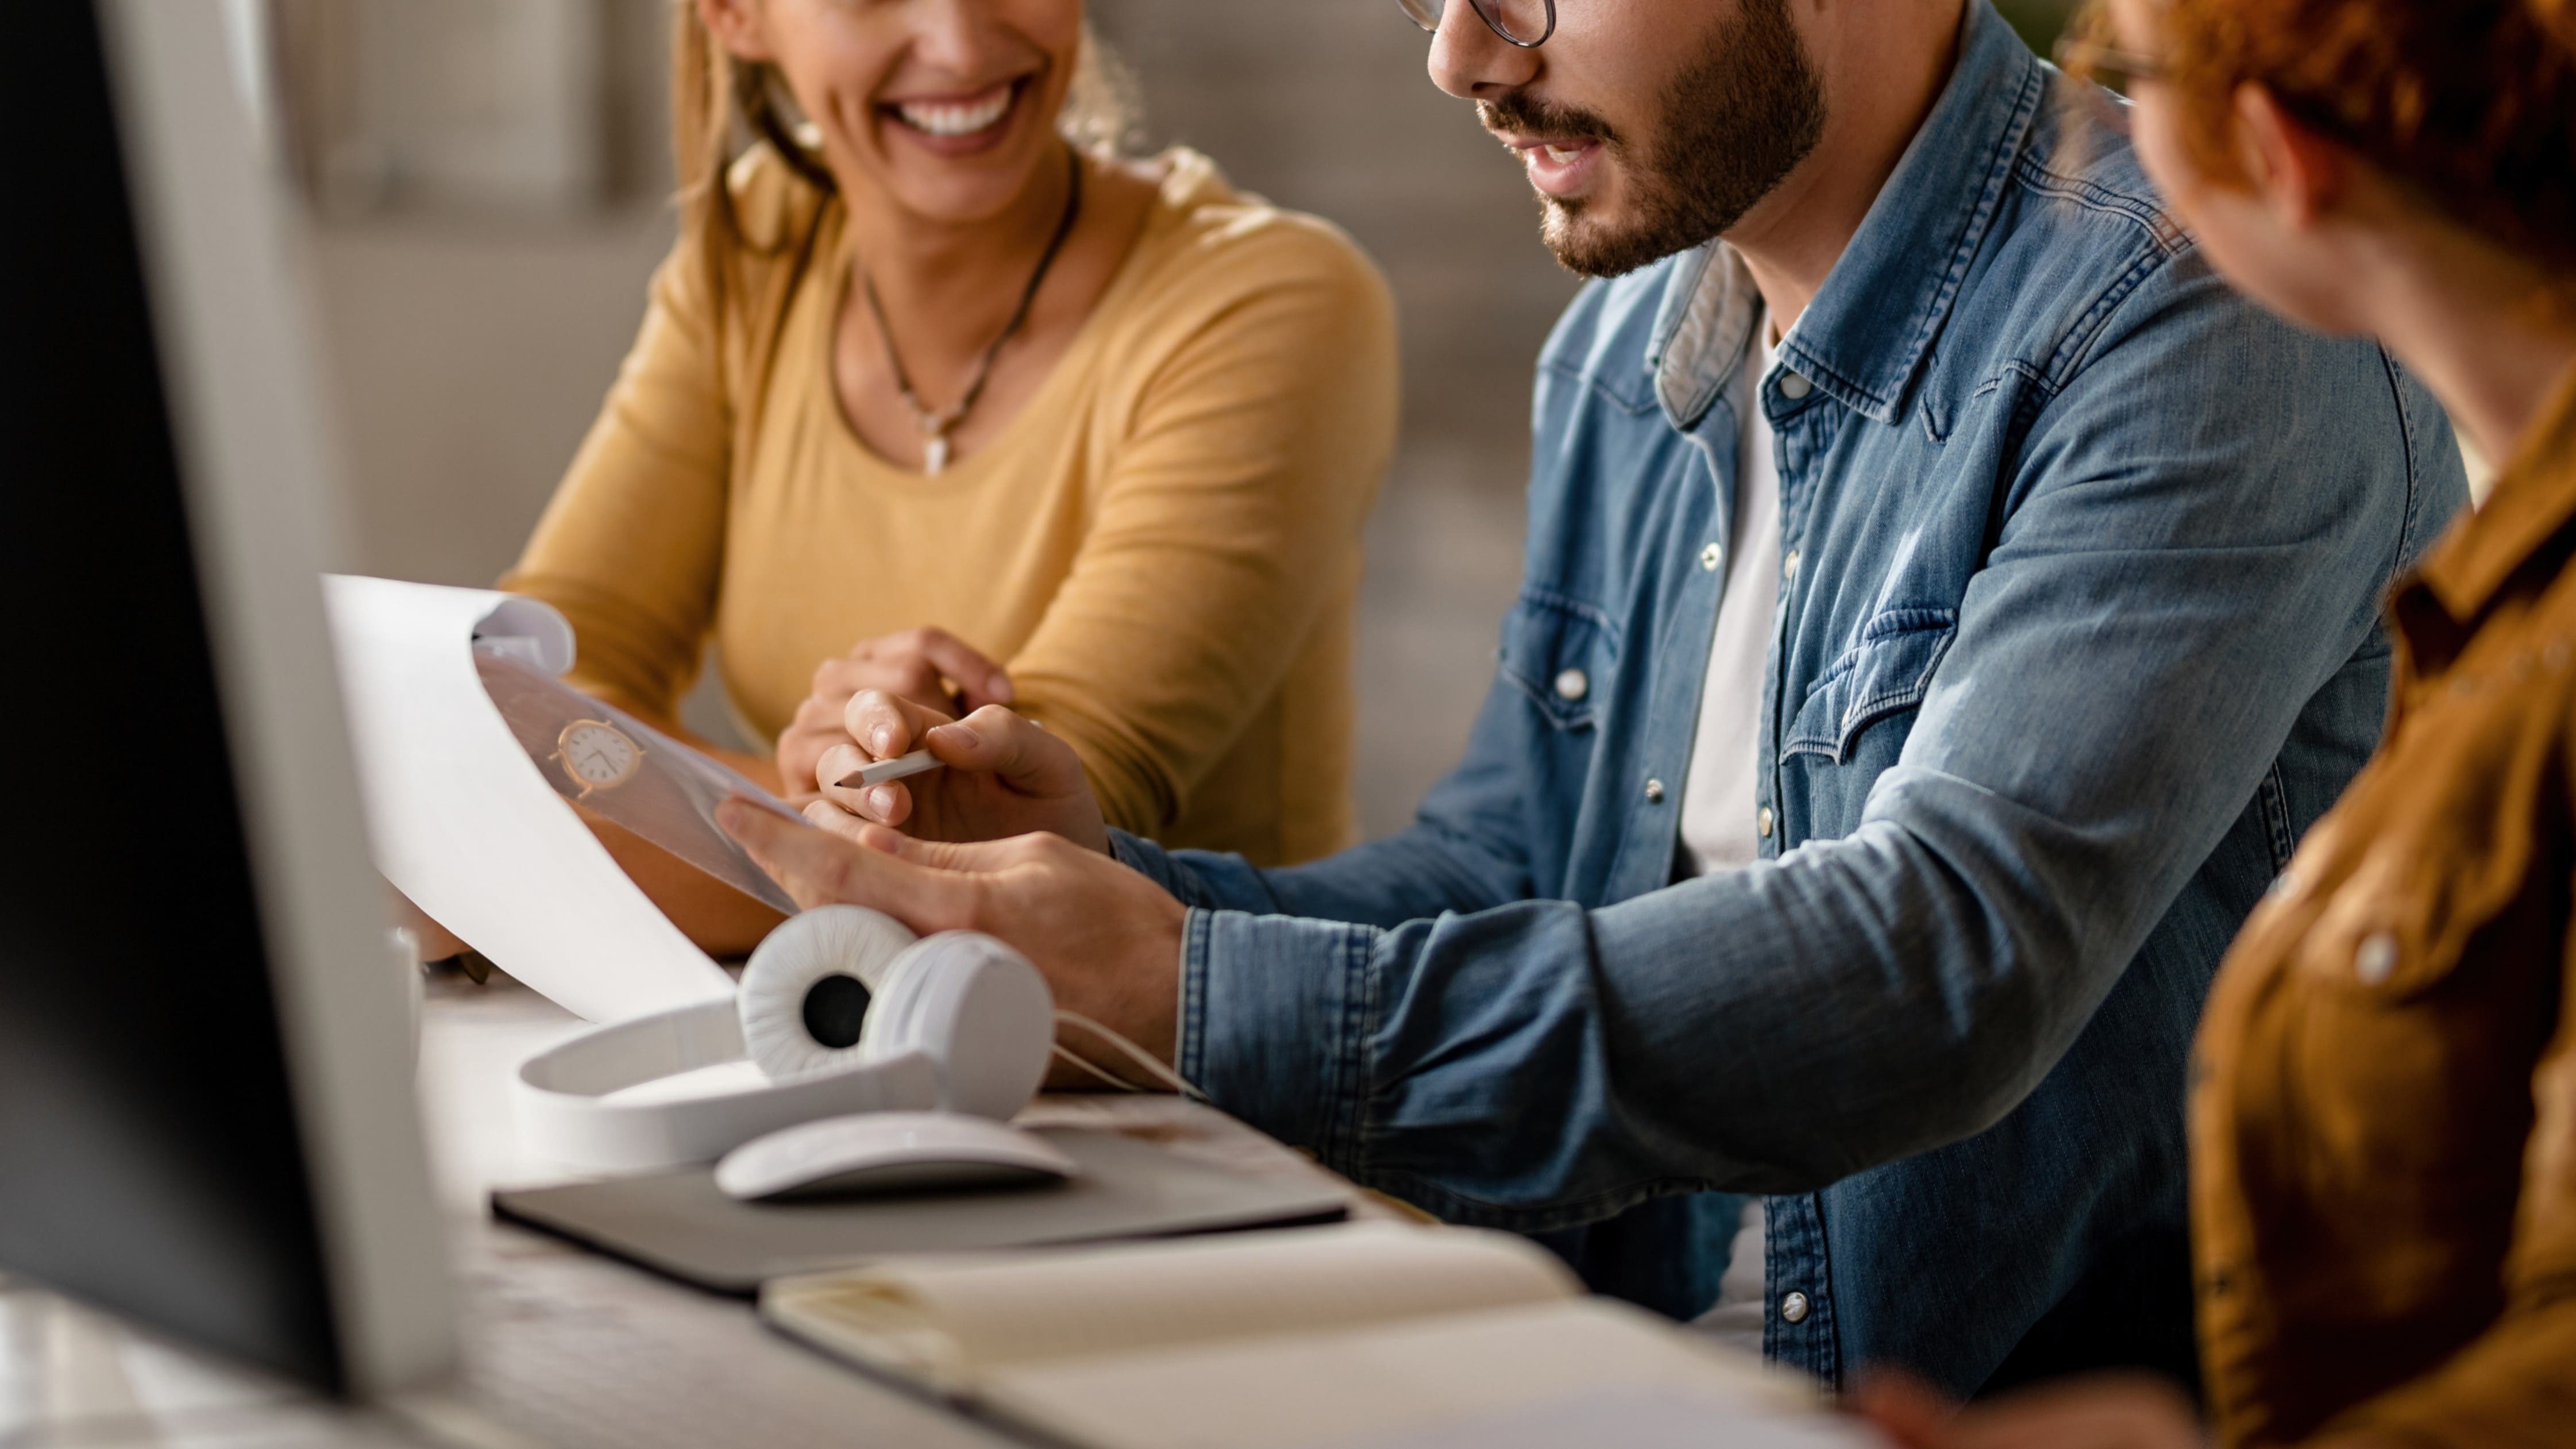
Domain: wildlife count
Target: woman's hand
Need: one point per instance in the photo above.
(2108, 1412)
(1006, 776)
(917, 664)
(437, 943)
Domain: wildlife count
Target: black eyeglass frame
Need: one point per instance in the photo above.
(1413, 11)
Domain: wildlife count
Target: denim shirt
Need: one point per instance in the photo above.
(2077, 631)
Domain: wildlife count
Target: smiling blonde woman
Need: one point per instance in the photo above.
(935, 395)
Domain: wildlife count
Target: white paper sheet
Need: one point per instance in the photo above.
(465, 825)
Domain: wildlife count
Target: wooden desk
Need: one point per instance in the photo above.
(72, 1377)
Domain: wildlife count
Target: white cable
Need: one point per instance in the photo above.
(1077, 1059)
(1134, 1053)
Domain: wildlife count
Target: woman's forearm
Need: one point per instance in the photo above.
(722, 921)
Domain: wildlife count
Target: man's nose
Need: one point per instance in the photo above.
(1471, 62)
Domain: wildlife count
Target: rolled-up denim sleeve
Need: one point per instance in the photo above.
(2187, 554)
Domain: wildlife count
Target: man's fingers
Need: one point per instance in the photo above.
(1010, 745)
(824, 815)
(976, 857)
(817, 868)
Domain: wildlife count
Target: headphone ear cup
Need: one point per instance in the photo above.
(980, 1011)
(811, 988)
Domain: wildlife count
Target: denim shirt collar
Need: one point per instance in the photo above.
(1864, 339)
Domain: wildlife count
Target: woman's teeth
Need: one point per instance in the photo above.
(945, 119)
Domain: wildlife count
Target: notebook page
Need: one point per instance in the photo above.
(956, 1320)
(1422, 1382)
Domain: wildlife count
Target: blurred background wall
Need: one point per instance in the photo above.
(488, 183)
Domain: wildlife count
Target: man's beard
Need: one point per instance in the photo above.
(1736, 121)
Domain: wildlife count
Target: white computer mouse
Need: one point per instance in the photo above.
(878, 1152)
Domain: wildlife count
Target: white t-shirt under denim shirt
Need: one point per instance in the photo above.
(1719, 828)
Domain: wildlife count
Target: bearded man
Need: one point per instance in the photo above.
(1946, 605)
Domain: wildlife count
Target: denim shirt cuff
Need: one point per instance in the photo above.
(1149, 860)
(1275, 1018)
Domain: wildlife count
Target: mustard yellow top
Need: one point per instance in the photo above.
(1163, 546)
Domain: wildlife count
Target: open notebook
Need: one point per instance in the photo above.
(1375, 1335)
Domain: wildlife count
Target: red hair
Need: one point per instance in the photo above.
(2471, 103)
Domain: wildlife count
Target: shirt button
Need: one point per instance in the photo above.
(1572, 685)
(1654, 792)
(1789, 565)
(1710, 557)
(1794, 387)
(1762, 821)
(1793, 1308)
(2376, 961)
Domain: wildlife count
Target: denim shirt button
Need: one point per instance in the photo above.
(1789, 565)
(1654, 792)
(1793, 1308)
(1794, 387)
(1572, 685)
(1710, 557)
(1762, 821)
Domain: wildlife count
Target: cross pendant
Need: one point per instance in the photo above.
(934, 455)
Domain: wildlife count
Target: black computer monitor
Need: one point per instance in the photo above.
(204, 1113)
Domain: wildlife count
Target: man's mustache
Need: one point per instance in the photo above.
(1527, 114)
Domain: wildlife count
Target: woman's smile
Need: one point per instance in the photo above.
(957, 124)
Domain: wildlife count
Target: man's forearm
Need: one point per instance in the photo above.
(1539, 1064)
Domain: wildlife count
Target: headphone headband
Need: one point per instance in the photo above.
(563, 1091)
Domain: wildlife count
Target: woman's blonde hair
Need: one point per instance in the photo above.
(722, 105)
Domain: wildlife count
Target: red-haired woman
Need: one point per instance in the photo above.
(2384, 1102)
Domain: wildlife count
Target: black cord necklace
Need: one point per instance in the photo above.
(936, 424)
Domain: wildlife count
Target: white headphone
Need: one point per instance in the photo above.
(842, 1009)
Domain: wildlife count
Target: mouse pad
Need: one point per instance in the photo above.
(680, 1224)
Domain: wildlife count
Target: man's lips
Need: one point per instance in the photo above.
(1560, 166)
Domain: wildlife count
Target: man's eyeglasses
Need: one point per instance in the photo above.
(2108, 66)
(1525, 23)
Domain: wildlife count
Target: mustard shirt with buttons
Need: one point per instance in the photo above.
(1163, 546)
(2383, 1116)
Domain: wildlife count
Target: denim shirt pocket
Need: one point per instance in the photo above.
(1885, 674)
(1560, 652)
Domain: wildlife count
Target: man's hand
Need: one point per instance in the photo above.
(1005, 775)
(1107, 939)
(917, 664)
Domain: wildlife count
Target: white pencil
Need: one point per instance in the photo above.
(919, 762)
